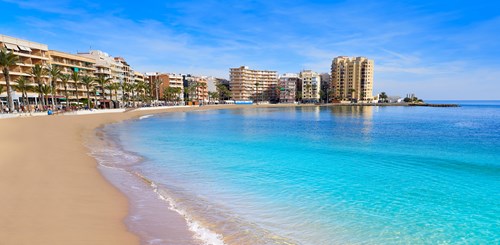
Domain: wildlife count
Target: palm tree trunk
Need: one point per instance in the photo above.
(42, 100)
(88, 99)
(77, 98)
(52, 89)
(9, 95)
(133, 97)
(103, 97)
(67, 97)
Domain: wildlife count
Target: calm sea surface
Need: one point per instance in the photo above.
(327, 175)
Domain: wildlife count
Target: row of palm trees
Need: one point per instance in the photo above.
(45, 89)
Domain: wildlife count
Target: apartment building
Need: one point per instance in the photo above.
(29, 54)
(256, 85)
(196, 88)
(138, 77)
(69, 63)
(352, 78)
(176, 81)
(127, 73)
(287, 85)
(311, 86)
(116, 69)
(158, 83)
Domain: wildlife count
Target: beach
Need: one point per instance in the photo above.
(50, 187)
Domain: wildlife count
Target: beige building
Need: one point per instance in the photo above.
(311, 86)
(256, 85)
(138, 77)
(68, 63)
(352, 78)
(197, 88)
(29, 54)
(110, 67)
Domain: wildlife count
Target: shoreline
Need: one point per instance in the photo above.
(52, 191)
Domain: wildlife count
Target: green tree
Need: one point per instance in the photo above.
(125, 87)
(140, 89)
(75, 76)
(223, 91)
(54, 73)
(46, 91)
(8, 59)
(64, 80)
(192, 91)
(38, 73)
(177, 93)
(383, 97)
(158, 82)
(102, 81)
(114, 87)
(88, 82)
(23, 86)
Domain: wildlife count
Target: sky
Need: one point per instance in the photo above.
(434, 49)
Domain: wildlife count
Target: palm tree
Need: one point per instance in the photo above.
(133, 89)
(46, 90)
(88, 82)
(7, 59)
(113, 87)
(54, 73)
(140, 88)
(64, 80)
(23, 86)
(383, 96)
(38, 74)
(158, 82)
(75, 76)
(192, 90)
(102, 81)
(147, 93)
(125, 87)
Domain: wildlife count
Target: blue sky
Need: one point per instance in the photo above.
(435, 49)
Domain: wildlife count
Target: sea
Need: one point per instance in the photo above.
(312, 175)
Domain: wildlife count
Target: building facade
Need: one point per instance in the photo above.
(256, 85)
(352, 78)
(69, 63)
(287, 86)
(195, 88)
(158, 83)
(311, 86)
(117, 69)
(29, 54)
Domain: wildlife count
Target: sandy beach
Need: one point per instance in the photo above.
(51, 190)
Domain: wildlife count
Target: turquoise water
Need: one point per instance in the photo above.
(328, 175)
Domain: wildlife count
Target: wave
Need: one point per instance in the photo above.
(145, 116)
(110, 155)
